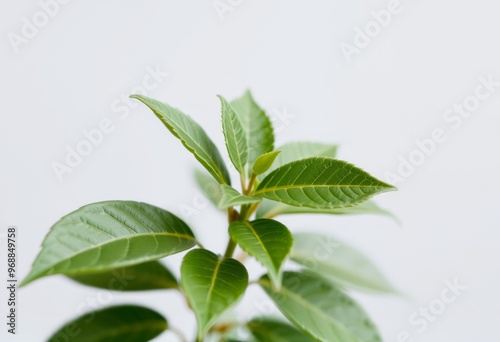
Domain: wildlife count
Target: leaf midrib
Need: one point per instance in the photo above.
(172, 125)
(185, 236)
(212, 284)
(206, 157)
(308, 304)
(266, 251)
(231, 117)
(202, 329)
(288, 187)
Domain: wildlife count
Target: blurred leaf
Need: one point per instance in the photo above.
(212, 285)
(148, 276)
(107, 235)
(210, 188)
(266, 329)
(339, 262)
(270, 209)
(297, 150)
(124, 323)
(320, 309)
(192, 136)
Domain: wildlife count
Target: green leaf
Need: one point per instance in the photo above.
(222, 195)
(266, 329)
(264, 162)
(108, 235)
(236, 139)
(300, 150)
(115, 324)
(231, 197)
(257, 126)
(209, 187)
(212, 285)
(269, 241)
(338, 262)
(270, 209)
(148, 276)
(320, 182)
(192, 136)
(320, 309)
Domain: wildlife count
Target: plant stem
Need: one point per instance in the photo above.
(251, 209)
(249, 188)
(244, 211)
(231, 246)
(242, 183)
(232, 215)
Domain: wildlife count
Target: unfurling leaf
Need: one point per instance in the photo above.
(264, 162)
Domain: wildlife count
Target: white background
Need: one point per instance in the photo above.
(394, 91)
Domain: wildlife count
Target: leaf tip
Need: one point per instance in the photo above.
(224, 102)
(386, 186)
(392, 187)
(27, 280)
(142, 98)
